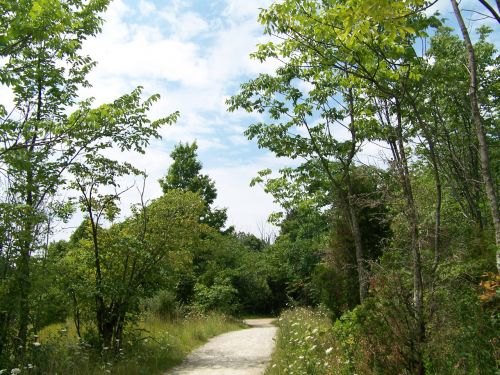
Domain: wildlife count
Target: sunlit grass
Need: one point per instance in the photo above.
(304, 344)
(154, 346)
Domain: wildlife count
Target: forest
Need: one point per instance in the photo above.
(377, 268)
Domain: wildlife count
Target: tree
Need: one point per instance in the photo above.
(358, 59)
(40, 141)
(33, 130)
(127, 261)
(491, 190)
(184, 174)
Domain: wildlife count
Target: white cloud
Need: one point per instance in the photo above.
(238, 10)
(194, 62)
(146, 8)
(185, 25)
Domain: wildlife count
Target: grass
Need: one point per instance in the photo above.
(153, 347)
(304, 344)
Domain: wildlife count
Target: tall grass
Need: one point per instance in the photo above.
(152, 347)
(304, 344)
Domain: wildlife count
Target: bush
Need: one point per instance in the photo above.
(221, 297)
(163, 305)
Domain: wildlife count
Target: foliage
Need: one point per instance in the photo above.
(132, 256)
(43, 144)
(155, 346)
(162, 305)
(184, 174)
(398, 259)
(220, 296)
(304, 345)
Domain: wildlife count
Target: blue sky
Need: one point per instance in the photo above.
(195, 53)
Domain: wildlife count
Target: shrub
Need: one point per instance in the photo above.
(221, 297)
(163, 305)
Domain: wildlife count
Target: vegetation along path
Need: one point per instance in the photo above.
(244, 352)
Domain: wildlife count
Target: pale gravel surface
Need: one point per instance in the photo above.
(244, 352)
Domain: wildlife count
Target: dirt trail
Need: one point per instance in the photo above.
(244, 352)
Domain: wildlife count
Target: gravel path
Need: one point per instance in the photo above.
(244, 352)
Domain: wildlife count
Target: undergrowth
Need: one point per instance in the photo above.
(303, 344)
(152, 347)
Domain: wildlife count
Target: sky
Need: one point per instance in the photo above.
(195, 54)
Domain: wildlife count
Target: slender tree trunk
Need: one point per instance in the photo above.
(353, 212)
(24, 276)
(411, 213)
(439, 199)
(24, 290)
(491, 192)
(357, 236)
(76, 315)
(437, 184)
(100, 304)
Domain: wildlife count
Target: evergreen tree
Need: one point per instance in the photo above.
(185, 174)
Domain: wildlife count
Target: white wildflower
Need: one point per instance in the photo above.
(329, 350)
(36, 344)
(15, 371)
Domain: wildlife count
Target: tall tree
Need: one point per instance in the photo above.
(40, 141)
(185, 174)
(43, 88)
(491, 190)
(367, 47)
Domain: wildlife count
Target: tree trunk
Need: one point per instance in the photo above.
(481, 136)
(411, 214)
(357, 236)
(353, 213)
(437, 184)
(101, 314)
(24, 292)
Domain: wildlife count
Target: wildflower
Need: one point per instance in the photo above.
(3, 371)
(36, 344)
(15, 371)
(329, 350)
